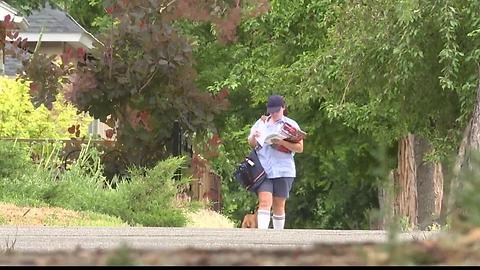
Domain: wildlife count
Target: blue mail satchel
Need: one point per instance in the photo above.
(250, 173)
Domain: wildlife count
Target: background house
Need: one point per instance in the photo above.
(19, 22)
(60, 32)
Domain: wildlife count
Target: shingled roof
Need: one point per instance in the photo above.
(54, 20)
(58, 26)
(6, 9)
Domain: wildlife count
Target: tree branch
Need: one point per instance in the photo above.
(165, 7)
(149, 80)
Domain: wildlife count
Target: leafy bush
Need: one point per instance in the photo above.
(150, 195)
(27, 183)
(14, 159)
(19, 119)
(78, 188)
(146, 198)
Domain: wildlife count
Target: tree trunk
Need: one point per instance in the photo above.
(438, 180)
(447, 176)
(406, 187)
(474, 136)
(470, 142)
(385, 203)
(429, 184)
(418, 185)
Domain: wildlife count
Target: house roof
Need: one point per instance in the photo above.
(54, 20)
(6, 9)
(58, 26)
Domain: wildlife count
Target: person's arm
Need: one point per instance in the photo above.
(252, 139)
(255, 133)
(294, 147)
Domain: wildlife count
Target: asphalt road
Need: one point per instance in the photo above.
(70, 238)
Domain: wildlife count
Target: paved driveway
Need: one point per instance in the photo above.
(60, 238)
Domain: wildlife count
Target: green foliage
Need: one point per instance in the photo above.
(90, 14)
(19, 118)
(402, 69)
(81, 185)
(405, 67)
(355, 75)
(121, 256)
(140, 79)
(149, 195)
(336, 181)
(26, 6)
(146, 198)
(15, 160)
(274, 54)
(31, 183)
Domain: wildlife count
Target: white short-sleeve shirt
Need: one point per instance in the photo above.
(276, 163)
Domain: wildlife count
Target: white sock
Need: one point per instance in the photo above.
(263, 218)
(278, 221)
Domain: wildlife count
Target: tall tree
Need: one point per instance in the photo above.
(406, 67)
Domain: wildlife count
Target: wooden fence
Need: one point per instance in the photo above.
(206, 185)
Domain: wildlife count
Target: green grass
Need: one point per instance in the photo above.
(3, 220)
(147, 198)
(196, 218)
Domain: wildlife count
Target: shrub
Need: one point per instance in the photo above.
(19, 119)
(14, 159)
(150, 195)
(147, 198)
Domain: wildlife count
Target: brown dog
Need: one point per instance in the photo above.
(250, 220)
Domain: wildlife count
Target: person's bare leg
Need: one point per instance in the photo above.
(264, 206)
(278, 217)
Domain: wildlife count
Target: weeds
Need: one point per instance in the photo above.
(434, 227)
(121, 256)
(14, 160)
(10, 245)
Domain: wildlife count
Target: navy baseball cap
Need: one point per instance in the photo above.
(275, 102)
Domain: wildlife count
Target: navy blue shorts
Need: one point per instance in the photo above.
(279, 187)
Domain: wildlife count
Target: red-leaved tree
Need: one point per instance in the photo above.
(140, 79)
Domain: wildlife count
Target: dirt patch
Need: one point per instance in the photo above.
(27, 215)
